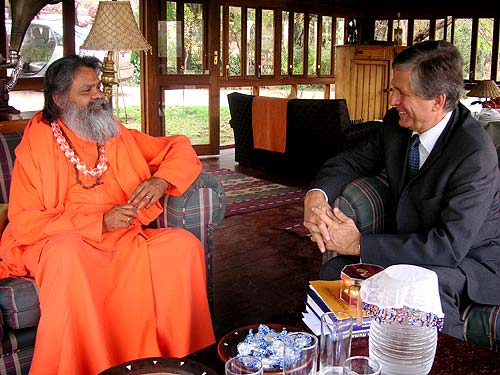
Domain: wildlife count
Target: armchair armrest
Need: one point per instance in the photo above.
(199, 210)
(19, 306)
(369, 202)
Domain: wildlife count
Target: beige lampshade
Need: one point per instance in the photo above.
(115, 29)
(485, 89)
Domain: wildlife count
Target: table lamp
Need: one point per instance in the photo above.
(114, 29)
(487, 89)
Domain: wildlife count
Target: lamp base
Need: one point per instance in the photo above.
(6, 110)
(108, 77)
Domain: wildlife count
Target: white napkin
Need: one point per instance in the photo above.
(403, 285)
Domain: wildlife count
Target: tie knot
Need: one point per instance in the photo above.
(415, 140)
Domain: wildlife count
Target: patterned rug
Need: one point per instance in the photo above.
(246, 194)
(294, 226)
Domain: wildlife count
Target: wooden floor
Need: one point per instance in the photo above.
(261, 273)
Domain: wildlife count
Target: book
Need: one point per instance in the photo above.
(324, 296)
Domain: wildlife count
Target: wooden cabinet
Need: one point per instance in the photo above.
(363, 76)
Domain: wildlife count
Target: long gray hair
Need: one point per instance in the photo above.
(59, 77)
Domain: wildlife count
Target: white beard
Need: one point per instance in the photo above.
(91, 123)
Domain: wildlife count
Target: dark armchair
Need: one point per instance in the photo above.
(316, 130)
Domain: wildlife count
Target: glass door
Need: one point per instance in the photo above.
(182, 75)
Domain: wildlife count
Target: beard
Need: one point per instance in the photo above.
(94, 123)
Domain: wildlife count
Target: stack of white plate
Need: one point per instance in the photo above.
(402, 348)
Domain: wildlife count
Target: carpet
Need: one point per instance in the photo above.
(245, 194)
(294, 226)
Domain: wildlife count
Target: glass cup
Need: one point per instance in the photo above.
(335, 344)
(361, 365)
(244, 365)
(300, 354)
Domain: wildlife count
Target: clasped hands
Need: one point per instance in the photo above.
(330, 228)
(144, 196)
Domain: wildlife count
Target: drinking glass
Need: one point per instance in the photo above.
(300, 354)
(335, 344)
(361, 365)
(244, 365)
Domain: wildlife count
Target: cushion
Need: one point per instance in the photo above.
(17, 351)
(482, 326)
(19, 302)
(8, 143)
(369, 202)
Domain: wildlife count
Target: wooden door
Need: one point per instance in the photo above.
(368, 89)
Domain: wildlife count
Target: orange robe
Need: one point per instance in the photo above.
(105, 298)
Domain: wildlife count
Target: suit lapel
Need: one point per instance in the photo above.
(441, 142)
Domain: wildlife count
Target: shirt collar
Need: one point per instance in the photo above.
(429, 138)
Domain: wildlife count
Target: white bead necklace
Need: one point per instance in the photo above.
(101, 163)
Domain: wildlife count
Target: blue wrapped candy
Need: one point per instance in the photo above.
(266, 344)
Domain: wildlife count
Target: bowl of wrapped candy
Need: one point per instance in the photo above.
(262, 341)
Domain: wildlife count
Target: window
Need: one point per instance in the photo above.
(326, 46)
(478, 50)
(381, 30)
(340, 31)
(440, 29)
(484, 49)
(181, 39)
(234, 45)
(285, 30)
(462, 36)
(267, 45)
(251, 40)
(298, 43)
(421, 30)
(402, 26)
(312, 52)
(193, 39)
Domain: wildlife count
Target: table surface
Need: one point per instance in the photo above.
(453, 357)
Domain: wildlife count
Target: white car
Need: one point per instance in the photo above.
(43, 44)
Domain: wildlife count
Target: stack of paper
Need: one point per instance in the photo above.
(324, 296)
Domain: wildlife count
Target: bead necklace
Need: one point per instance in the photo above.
(69, 151)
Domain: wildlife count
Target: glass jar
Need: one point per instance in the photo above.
(402, 348)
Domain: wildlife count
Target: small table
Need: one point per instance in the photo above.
(453, 356)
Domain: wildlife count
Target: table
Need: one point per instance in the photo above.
(453, 357)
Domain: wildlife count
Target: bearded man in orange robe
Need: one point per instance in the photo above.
(83, 188)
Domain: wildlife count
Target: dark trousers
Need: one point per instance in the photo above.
(452, 290)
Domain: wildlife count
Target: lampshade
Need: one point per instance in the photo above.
(115, 29)
(485, 89)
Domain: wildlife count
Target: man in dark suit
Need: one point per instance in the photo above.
(446, 189)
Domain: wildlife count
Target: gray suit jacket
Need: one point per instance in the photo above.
(448, 215)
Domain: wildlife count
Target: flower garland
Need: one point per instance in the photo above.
(101, 163)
